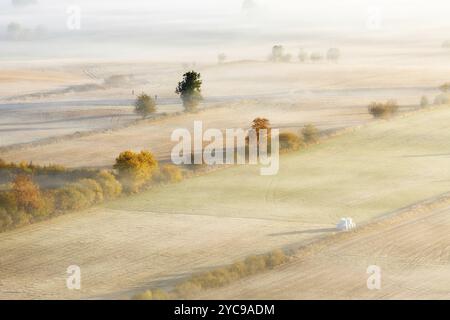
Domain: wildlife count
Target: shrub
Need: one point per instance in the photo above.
(187, 289)
(275, 258)
(144, 105)
(290, 142)
(91, 190)
(255, 264)
(70, 198)
(310, 134)
(135, 169)
(5, 220)
(27, 194)
(8, 201)
(383, 110)
(170, 173)
(110, 186)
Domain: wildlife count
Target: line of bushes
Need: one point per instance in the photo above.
(25, 197)
(218, 277)
(292, 142)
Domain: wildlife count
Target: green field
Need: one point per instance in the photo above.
(361, 174)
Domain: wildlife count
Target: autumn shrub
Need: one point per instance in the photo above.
(135, 169)
(290, 142)
(70, 198)
(170, 173)
(27, 194)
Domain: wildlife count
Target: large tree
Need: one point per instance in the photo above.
(189, 90)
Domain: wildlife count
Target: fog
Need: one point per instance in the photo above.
(158, 29)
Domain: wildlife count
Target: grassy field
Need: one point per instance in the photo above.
(412, 254)
(362, 174)
(154, 238)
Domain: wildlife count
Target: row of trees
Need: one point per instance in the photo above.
(278, 55)
(189, 90)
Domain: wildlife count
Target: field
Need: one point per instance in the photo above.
(155, 238)
(65, 118)
(413, 255)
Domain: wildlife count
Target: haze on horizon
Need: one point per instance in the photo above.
(139, 28)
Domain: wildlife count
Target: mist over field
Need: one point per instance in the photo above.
(355, 95)
(154, 29)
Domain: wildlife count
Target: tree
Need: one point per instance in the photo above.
(135, 169)
(27, 194)
(424, 102)
(302, 55)
(260, 124)
(189, 90)
(144, 105)
(278, 54)
(316, 56)
(333, 54)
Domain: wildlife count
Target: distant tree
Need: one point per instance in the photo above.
(310, 134)
(302, 55)
(316, 56)
(144, 105)
(189, 90)
(277, 53)
(333, 54)
(424, 102)
(135, 169)
(221, 58)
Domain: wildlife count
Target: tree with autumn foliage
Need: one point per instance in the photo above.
(261, 124)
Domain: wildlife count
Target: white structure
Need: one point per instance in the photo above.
(346, 224)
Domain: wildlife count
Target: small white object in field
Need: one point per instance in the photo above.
(346, 224)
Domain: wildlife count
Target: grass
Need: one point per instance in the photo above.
(362, 174)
